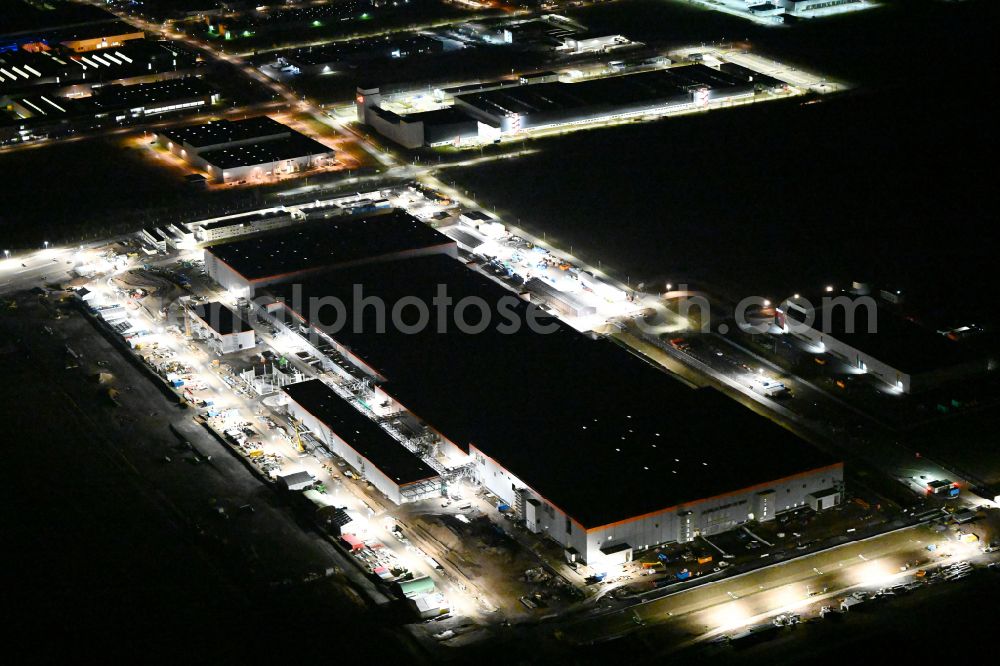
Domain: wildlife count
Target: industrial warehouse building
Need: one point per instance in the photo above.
(327, 58)
(225, 330)
(485, 112)
(99, 36)
(775, 11)
(589, 445)
(117, 103)
(381, 459)
(429, 128)
(238, 150)
(49, 91)
(557, 103)
(873, 337)
(802, 6)
(156, 98)
(138, 61)
(244, 265)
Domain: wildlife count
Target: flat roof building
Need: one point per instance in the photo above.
(426, 128)
(300, 480)
(225, 330)
(62, 70)
(244, 265)
(19, 17)
(156, 98)
(532, 106)
(242, 224)
(98, 36)
(217, 134)
(237, 150)
(116, 103)
(589, 444)
(483, 113)
(368, 447)
(872, 336)
(327, 58)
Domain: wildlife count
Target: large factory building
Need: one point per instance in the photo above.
(238, 150)
(244, 265)
(588, 444)
(486, 112)
(541, 105)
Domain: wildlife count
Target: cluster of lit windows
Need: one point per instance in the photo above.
(175, 107)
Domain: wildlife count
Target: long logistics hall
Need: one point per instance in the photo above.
(238, 150)
(487, 112)
(588, 444)
(554, 420)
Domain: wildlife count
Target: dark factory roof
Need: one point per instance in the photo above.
(93, 31)
(218, 132)
(33, 65)
(114, 97)
(355, 49)
(21, 17)
(137, 57)
(609, 91)
(360, 432)
(221, 319)
(596, 431)
(447, 115)
(265, 152)
(147, 94)
(324, 244)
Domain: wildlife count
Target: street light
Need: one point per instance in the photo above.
(46, 245)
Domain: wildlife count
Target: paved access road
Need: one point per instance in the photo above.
(715, 608)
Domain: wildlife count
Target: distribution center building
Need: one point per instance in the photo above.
(486, 112)
(540, 105)
(243, 265)
(237, 150)
(588, 444)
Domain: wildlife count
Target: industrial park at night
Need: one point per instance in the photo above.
(499, 331)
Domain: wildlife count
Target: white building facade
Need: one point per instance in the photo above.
(606, 544)
(393, 490)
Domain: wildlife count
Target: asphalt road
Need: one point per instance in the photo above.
(715, 608)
